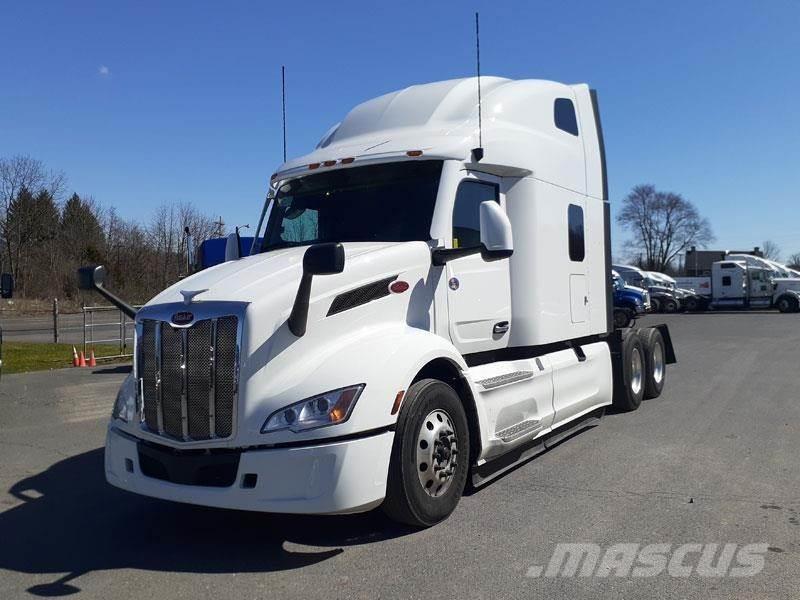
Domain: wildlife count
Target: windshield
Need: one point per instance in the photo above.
(380, 203)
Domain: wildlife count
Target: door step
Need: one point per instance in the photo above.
(506, 379)
(496, 467)
(509, 434)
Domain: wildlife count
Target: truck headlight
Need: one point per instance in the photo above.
(325, 409)
(125, 404)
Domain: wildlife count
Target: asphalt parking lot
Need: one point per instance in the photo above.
(714, 460)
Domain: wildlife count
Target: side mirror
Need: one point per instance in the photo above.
(92, 278)
(232, 247)
(496, 235)
(320, 259)
(324, 259)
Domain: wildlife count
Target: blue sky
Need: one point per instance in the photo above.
(148, 103)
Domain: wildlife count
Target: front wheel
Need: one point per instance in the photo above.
(622, 318)
(430, 456)
(670, 306)
(787, 305)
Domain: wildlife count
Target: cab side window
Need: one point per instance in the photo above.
(467, 211)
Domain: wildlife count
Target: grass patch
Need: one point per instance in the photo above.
(21, 357)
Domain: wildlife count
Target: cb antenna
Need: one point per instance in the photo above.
(283, 107)
(477, 153)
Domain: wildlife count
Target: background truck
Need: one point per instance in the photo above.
(749, 284)
(662, 297)
(430, 303)
(629, 301)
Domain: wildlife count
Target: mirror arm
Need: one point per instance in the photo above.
(91, 278)
(298, 319)
(492, 255)
(441, 256)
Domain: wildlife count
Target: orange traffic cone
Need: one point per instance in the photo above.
(82, 361)
(92, 361)
(74, 357)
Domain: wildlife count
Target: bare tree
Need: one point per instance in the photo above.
(662, 225)
(771, 250)
(794, 261)
(20, 173)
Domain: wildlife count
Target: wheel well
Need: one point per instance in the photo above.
(449, 372)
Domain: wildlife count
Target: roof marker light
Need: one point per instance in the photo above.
(313, 166)
(347, 161)
(414, 153)
(329, 163)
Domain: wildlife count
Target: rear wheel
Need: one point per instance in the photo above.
(629, 379)
(430, 456)
(692, 304)
(655, 364)
(670, 306)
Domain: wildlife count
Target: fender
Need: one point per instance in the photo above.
(386, 357)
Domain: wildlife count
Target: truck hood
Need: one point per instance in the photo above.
(248, 279)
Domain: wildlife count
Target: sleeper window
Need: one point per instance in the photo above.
(467, 212)
(577, 250)
(564, 115)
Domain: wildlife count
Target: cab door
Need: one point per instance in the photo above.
(478, 292)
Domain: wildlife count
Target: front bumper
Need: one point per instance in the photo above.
(339, 477)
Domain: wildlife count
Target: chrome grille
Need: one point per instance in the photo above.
(189, 377)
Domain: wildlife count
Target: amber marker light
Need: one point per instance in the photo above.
(398, 400)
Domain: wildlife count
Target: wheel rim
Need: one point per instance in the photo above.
(658, 364)
(636, 372)
(783, 305)
(670, 307)
(437, 453)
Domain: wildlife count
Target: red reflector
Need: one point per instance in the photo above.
(398, 287)
(329, 163)
(313, 166)
(414, 153)
(347, 161)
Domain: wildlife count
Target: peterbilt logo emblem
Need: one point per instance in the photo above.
(182, 318)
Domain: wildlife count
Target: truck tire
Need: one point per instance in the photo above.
(629, 374)
(787, 304)
(692, 304)
(622, 318)
(655, 365)
(670, 306)
(430, 456)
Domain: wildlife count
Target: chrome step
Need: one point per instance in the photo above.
(509, 434)
(505, 379)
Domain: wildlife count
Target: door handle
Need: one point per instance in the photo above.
(501, 327)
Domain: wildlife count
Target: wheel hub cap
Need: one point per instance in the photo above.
(437, 453)
(636, 372)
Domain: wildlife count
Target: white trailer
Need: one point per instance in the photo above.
(430, 304)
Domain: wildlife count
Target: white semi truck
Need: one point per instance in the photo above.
(744, 283)
(427, 303)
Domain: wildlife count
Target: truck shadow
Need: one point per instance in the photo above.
(71, 521)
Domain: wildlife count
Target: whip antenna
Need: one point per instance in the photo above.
(477, 153)
(283, 107)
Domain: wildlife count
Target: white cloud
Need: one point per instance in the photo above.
(104, 71)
